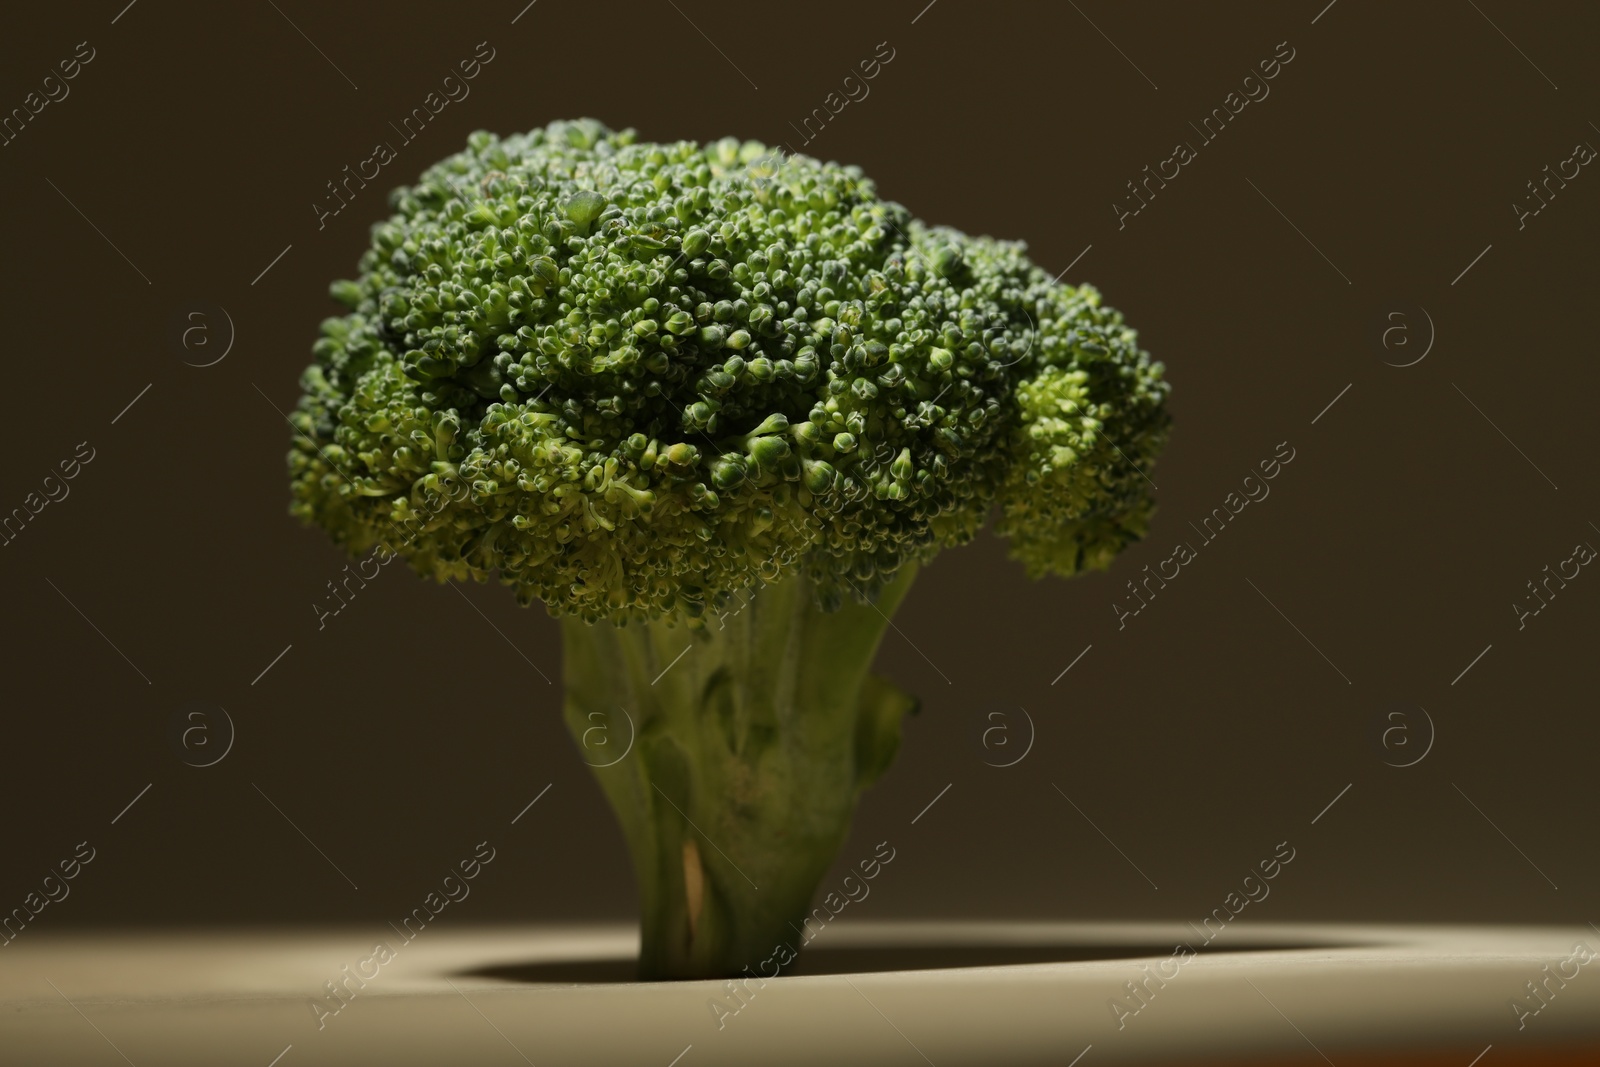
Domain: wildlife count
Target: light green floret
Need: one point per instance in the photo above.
(1090, 424)
(636, 380)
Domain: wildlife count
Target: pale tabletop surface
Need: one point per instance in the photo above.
(514, 995)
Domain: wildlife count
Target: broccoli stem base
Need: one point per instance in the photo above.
(747, 745)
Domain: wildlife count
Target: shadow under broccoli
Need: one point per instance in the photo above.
(714, 405)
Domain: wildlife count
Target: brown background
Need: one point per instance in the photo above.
(1195, 739)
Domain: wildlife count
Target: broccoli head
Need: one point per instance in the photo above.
(659, 386)
(634, 380)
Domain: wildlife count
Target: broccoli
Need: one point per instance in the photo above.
(714, 405)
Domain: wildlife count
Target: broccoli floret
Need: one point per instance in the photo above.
(661, 386)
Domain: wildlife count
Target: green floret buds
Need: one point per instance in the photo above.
(548, 316)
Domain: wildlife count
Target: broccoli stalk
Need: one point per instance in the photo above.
(750, 749)
(714, 406)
